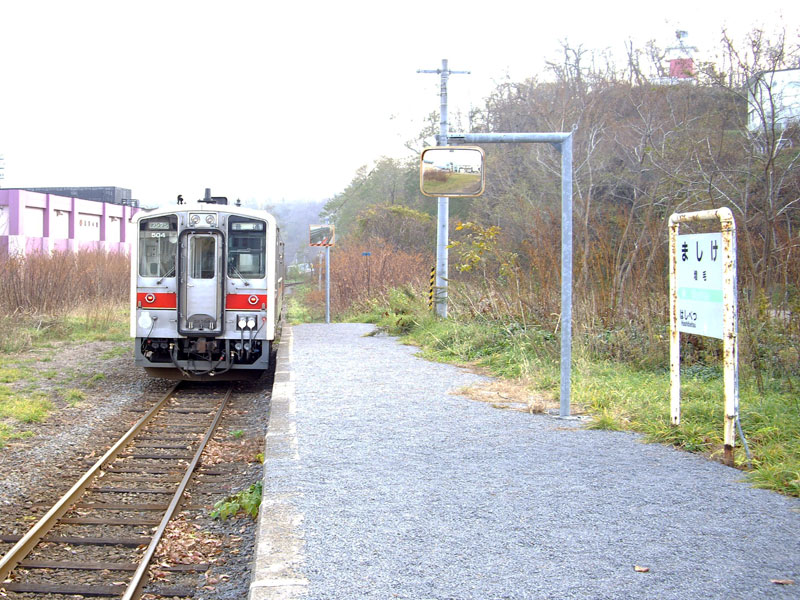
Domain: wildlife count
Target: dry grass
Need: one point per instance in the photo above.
(45, 297)
(510, 395)
(228, 451)
(53, 284)
(356, 279)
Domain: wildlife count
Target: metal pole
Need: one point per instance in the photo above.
(729, 332)
(443, 215)
(563, 142)
(442, 234)
(327, 284)
(674, 334)
(566, 275)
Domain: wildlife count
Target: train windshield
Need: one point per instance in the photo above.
(247, 242)
(158, 239)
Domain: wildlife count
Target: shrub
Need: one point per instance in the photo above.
(247, 500)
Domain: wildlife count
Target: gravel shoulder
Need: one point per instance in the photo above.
(102, 372)
(406, 490)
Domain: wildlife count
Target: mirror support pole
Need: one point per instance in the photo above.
(563, 143)
(327, 284)
(566, 275)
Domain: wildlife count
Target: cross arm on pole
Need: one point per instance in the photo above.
(509, 138)
(440, 71)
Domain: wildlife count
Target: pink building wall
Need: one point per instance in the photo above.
(34, 222)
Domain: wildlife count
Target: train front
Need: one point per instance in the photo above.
(205, 294)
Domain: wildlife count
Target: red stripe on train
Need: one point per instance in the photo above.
(150, 300)
(245, 301)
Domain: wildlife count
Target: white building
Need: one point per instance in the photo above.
(773, 95)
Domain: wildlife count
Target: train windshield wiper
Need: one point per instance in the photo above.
(239, 275)
(169, 273)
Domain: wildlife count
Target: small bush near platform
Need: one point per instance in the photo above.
(248, 500)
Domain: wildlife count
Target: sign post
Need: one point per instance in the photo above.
(702, 282)
(367, 254)
(324, 235)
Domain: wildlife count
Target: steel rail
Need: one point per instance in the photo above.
(135, 586)
(23, 547)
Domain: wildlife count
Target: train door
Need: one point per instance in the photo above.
(201, 284)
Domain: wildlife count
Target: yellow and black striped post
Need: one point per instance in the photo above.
(432, 286)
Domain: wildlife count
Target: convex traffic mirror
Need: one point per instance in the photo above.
(321, 235)
(452, 171)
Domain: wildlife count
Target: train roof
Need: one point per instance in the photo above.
(206, 207)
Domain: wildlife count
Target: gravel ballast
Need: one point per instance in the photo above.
(404, 490)
(36, 470)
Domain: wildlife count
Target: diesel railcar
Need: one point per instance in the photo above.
(206, 290)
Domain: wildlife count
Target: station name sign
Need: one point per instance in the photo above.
(699, 279)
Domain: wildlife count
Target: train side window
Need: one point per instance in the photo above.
(158, 239)
(247, 242)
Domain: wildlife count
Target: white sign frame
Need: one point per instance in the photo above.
(729, 320)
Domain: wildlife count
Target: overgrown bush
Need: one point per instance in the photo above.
(356, 277)
(50, 296)
(52, 284)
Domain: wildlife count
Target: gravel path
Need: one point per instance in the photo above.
(408, 491)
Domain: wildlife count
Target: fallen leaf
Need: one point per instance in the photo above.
(639, 569)
(783, 581)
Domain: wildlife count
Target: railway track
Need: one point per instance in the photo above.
(104, 531)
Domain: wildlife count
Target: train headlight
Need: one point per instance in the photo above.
(210, 220)
(145, 322)
(242, 323)
(195, 219)
(251, 323)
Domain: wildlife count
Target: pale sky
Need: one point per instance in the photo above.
(272, 101)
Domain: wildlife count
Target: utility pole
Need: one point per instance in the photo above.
(444, 207)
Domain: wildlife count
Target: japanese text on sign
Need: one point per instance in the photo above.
(699, 279)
